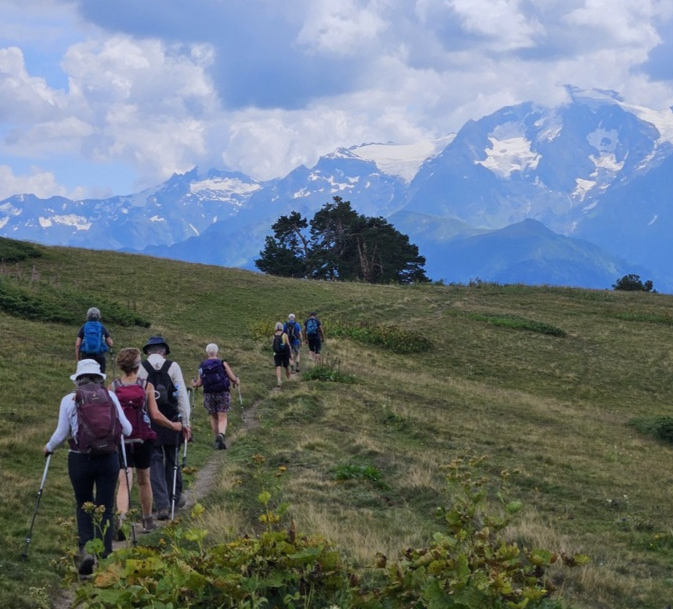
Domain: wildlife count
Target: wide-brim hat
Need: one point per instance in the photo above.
(156, 341)
(87, 366)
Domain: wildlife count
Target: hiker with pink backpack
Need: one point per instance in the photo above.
(138, 401)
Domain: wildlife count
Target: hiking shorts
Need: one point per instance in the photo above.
(314, 343)
(219, 401)
(281, 359)
(138, 454)
(295, 348)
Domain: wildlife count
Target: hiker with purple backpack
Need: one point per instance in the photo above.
(93, 418)
(216, 377)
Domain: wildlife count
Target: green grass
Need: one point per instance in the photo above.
(556, 401)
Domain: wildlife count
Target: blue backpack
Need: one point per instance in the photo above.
(311, 326)
(93, 341)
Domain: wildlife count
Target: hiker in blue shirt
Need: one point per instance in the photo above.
(293, 330)
(93, 339)
(315, 335)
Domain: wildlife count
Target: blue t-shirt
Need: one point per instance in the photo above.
(297, 330)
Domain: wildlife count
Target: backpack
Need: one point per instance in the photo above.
(278, 344)
(214, 376)
(311, 326)
(98, 428)
(134, 403)
(165, 391)
(93, 341)
(291, 331)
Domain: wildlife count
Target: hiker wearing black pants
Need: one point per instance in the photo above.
(93, 340)
(88, 471)
(315, 335)
(173, 402)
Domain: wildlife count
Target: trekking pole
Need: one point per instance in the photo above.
(24, 555)
(134, 541)
(175, 475)
(240, 399)
(184, 455)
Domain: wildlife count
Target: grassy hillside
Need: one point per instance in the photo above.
(546, 381)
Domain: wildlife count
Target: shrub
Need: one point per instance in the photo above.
(49, 303)
(15, 251)
(470, 564)
(390, 338)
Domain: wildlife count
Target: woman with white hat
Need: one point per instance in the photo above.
(90, 467)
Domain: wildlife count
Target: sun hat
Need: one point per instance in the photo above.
(156, 341)
(87, 366)
(290, 316)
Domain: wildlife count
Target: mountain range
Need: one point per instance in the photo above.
(575, 195)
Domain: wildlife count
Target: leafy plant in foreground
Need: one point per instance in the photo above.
(280, 568)
(470, 564)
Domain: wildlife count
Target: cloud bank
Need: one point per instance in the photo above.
(101, 98)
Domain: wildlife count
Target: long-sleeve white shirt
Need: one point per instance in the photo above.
(67, 421)
(175, 373)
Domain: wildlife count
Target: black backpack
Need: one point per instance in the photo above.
(98, 427)
(278, 344)
(213, 376)
(165, 391)
(291, 330)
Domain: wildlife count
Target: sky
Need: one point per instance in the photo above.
(108, 98)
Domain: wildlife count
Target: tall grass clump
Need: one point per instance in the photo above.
(389, 337)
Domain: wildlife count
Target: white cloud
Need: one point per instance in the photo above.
(40, 183)
(264, 87)
(341, 28)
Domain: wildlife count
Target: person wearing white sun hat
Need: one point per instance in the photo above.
(89, 471)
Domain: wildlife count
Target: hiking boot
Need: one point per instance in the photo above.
(163, 514)
(148, 524)
(119, 534)
(297, 368)
(181, 502)
(86, 563)
(220, 442)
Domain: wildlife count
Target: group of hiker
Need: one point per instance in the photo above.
(288, 339)
(140, 420)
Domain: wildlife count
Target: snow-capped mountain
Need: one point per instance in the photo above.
(595, 175)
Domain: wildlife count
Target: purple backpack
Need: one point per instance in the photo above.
(98, 428)
(213, 376)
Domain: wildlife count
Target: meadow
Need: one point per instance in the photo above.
(568, 388)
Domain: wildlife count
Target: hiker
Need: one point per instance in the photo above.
(93, 339)
(140, 407)
(315, 335)
(293, 330)
(282, 352)
(216, 376)
(173, 402)
(88, 469)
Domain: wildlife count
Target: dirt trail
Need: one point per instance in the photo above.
(202, 484)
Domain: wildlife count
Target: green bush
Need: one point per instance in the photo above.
(329, 369)
(15, 251)
(514, 322)
(44, 302)
(660, 427)
(470, 564)
(390, 338)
